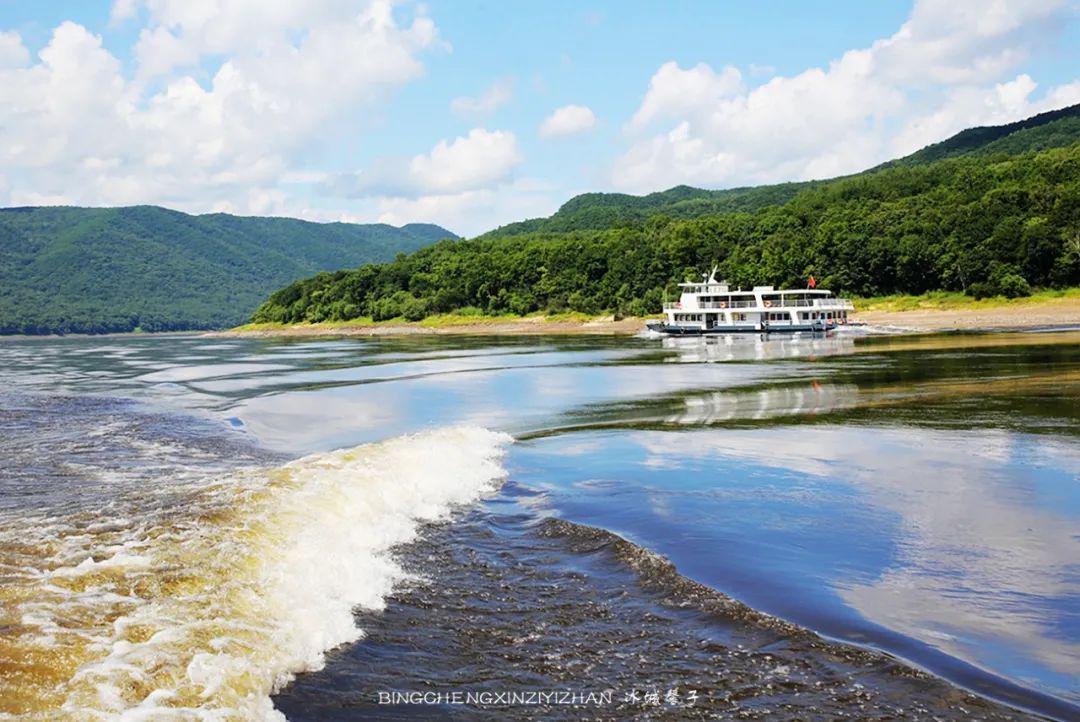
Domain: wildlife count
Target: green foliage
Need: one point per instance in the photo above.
(95, 270)
(600, 211)
(985, 223)
(1054, 129)
(1003, 279)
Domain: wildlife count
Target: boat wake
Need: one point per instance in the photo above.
(203, 607)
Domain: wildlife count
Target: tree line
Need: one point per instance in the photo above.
(985, 225)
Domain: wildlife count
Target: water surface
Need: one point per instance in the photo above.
(916, 495)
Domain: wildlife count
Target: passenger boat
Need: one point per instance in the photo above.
(713, 307)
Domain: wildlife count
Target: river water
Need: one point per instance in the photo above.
(227, 528)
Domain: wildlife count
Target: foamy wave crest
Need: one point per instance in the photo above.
(205, 611)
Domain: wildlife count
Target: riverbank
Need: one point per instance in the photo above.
(912, 313)
(946, 312)
(450, 324)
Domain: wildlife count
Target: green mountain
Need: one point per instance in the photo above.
(596, 211)
(1054, 129)
(94, 270)
(985, 220)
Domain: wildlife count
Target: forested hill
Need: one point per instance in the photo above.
(65, 269)
(987, 224)
(596, 211)
(1054, 129)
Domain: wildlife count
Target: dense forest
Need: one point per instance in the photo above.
(1053, 129)
(984, 223)
(599, 211)
(94, 270)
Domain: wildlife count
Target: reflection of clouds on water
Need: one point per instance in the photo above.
(181, 373)
(981, 556)
(307, 421)
(581, 448)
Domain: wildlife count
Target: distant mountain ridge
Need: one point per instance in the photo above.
(68, 269)
(1053, 129)
(597, 211)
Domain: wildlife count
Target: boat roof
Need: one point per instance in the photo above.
(722, 288)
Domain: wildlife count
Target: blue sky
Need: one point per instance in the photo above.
(450, 111)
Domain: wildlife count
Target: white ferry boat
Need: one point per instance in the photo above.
(713, 307)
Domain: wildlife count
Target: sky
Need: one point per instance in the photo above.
(474, 114)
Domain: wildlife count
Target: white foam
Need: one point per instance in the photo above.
(259, 577)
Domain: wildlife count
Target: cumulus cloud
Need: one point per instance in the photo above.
(467, 184)
(473, 211)
(477, 161)
(674, 92)
(568, 120)
(12, 52)
(948, 67)
(241, 89)
(123, 10)
(497, 95)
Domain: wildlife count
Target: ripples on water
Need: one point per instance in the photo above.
(159, 551)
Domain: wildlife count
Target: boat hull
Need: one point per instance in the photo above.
(676, 330)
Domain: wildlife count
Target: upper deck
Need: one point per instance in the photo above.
(713, 295)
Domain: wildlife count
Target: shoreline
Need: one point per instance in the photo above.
(1059, 312)
(1064, 312)
(524, 326)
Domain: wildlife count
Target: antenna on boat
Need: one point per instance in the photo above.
(712, 274)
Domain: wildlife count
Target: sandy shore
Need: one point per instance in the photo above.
(535, 325)
(1065, 312)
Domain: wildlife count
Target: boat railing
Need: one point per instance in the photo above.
(840, 303)
(829, 303)
(724, 304)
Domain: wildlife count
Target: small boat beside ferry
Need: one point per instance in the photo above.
(713, 307)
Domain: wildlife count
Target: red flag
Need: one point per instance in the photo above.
(811, 283)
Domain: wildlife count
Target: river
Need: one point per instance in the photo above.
(200, 527)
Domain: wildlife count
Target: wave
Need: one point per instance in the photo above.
(204, 607)
(977, 694)
(604, 616)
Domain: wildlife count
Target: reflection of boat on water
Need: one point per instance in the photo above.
(713, 307)
(718, 348)
(803, 400)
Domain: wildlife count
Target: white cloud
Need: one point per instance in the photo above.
(480, 160)
(268, 78)
(948, 67)
(123, 10)
(568, 120)
(497, 95)
(13, 54)
(674, 92)
(473, 211)
(466, 184)
(477, 160)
